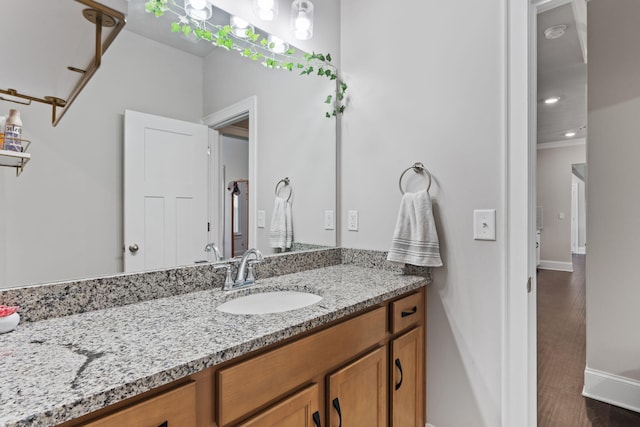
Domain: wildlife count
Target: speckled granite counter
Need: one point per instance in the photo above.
(59, 369)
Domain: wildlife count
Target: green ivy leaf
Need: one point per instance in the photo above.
(287, 65)
(341, 110)
(175, 27)
(264, 42)
(300, 66)
(186, 30)
(328, 100)
(328, 57)
(246, 52)
(327, 73)
(327, 115)
(343, 85)
(320, 71)
(290, 51)
(333, 77)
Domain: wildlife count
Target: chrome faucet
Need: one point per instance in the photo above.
(245, 277)
(211, 247)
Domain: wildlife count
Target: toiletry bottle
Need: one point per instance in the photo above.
(2, 122)
(13, 131)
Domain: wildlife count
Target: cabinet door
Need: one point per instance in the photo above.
(407, 385)
(299, 410)
(358, 392)
(175, 408)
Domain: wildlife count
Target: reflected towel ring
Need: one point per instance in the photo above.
(417, 168)
(287, 183)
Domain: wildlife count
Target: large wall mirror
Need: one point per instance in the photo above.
(62, 218)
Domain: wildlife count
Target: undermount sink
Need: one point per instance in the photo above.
(269, 302)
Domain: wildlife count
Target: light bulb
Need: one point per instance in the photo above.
(198, 4)
(199, 10)
(551, 100)
(301, 23)
(277, 45)
(239, 26)
(570, 134)
(267, 10)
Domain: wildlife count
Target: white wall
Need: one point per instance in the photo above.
(421, 90)
(613, 222)
(554, 195)
(65, 210)
(295, 139)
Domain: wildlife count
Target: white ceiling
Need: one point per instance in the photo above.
(563, 73)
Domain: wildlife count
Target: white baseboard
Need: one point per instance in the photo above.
(429, 425)
(582, 250)
(612, 389)
(556, 265)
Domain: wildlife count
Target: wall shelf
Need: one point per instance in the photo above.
(15, 159)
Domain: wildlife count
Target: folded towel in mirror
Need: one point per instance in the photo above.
(281, 231)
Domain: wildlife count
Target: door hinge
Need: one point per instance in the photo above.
(529, 285)
(208, 227)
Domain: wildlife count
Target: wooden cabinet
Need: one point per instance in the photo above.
(299, 410)
(358, 392)
(367, 370)
(407, 385)
(174, 408)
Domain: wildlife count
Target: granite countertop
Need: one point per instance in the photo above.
(58, 369)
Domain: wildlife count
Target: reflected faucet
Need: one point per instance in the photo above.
(211, 247)
(245, 277)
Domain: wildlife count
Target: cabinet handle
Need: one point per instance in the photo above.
(414, 310)
(316, 419)
(336, 404)
(164, 424)
(399, 365)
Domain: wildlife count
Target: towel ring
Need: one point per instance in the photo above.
(286, 183)
(417, 168)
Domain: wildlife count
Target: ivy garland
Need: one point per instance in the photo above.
(255, 47)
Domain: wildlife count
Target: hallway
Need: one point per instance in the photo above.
(561, 355)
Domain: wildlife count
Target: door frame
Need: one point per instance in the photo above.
(247, 107)
(519, 387)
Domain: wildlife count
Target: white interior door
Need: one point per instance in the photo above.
(165, 192)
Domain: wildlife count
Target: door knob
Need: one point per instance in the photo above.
(133, 248)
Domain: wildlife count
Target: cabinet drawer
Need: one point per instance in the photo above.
(407, 311)
(251, 384)
(174, 408)
(299, 410)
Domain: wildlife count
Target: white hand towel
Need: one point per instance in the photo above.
(281, 231)
(415, 240)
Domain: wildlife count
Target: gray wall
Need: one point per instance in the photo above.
(65, 210)
(613, 206)
(434, 95)
(554, 195)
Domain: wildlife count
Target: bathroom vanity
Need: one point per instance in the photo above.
(355, 358)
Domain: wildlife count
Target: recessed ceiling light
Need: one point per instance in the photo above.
(570, 134)
(551, 100)
(554, 32)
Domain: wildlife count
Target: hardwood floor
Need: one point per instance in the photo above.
(561, 355)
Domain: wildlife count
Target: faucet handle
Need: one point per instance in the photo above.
(228, 281)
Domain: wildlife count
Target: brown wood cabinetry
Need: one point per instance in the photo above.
(358, 392)
(367, 370)
(174, 408)
(299, 410)
(407, 363)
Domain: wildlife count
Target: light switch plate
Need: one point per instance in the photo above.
(328, 220)
(352, 221)
(260, 219)
(484, 224)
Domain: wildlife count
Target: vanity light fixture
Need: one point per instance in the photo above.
(570, 134)
(200, 10)
(301, 23)
(555, 32)
(239, 26)
(277, 45)
(552, 100)
(267, 10)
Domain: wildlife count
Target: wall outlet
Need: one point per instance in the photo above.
(260, 219)
(352, 221)
(484, 224)
(328, 220)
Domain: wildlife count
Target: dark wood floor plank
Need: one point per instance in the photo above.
(561, 311)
